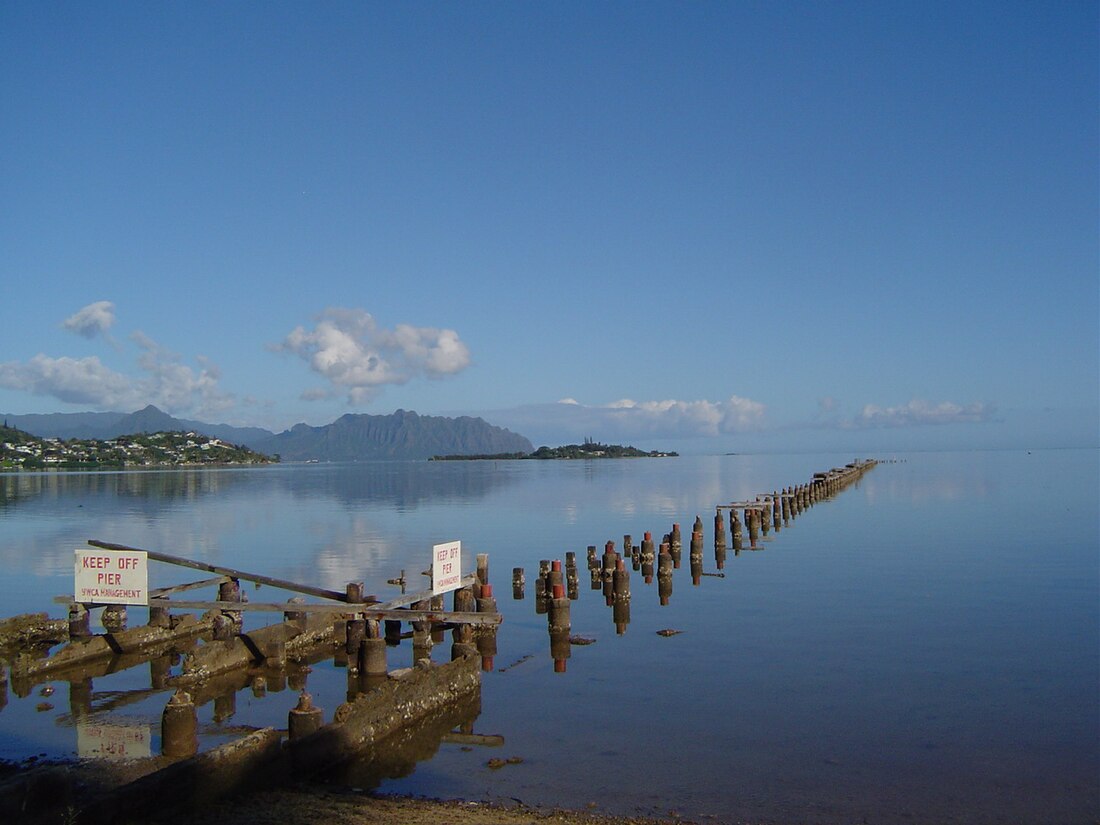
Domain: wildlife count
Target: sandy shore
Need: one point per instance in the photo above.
(307, 806)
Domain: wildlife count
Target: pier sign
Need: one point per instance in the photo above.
(446, 567)
(112, 576)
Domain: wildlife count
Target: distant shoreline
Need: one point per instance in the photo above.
(567, 452)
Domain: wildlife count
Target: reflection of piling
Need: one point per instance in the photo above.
(696, 555)
(160, 668)
(753, 519)
(719, 540)
(776, 513)
(225, 706)
(762, 513)
(80, 697)
(610, 557)
(664, 574)
(393, 631)
(620, 614)
(560, 649)
(558, 612)
(487, 634)
(558, 621)
(628, 546)
(675, 545)
(621, 578)
(786, 506)
(462, 635)
(735, 530)
(179, 726)
(647, 555)
(304, 718)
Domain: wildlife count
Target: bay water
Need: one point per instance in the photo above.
(922, 647)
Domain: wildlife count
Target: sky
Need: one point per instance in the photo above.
(707, 226)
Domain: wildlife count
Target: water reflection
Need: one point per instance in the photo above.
(403, 484)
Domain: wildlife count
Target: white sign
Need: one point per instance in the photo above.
(101, 741)
(112, 576)
(446, 567)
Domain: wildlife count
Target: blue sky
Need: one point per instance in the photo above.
(716, 226)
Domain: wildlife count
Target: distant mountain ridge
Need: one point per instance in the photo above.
(354, 437)
(403, 434)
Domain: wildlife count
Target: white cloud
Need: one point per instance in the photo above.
(349, 349)
(163, 379)
(173, 386)
(918, 412)
(628, 419)
(72, 380)
(94, 319)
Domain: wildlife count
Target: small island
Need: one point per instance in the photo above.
(589, 449)
(22, 451)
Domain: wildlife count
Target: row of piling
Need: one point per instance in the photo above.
(609, 572)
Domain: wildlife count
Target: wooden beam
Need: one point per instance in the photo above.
(371, 610)
(319, 592)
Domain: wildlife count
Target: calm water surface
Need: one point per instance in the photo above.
(925, 647)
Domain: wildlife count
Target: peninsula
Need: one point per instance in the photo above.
(22, 451)
(589, 449)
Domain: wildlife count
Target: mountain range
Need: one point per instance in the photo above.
(354, 437)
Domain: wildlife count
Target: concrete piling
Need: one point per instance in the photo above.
(304, 719)
(572, 581)
(80, 622)
(675, 545)
(372, 657)
(558, 613)
(664, 574)
(179, 726)
(648, 557)
(519, 582)
(356, 630)
(483, 568)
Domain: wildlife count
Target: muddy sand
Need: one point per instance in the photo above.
(313, 807)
